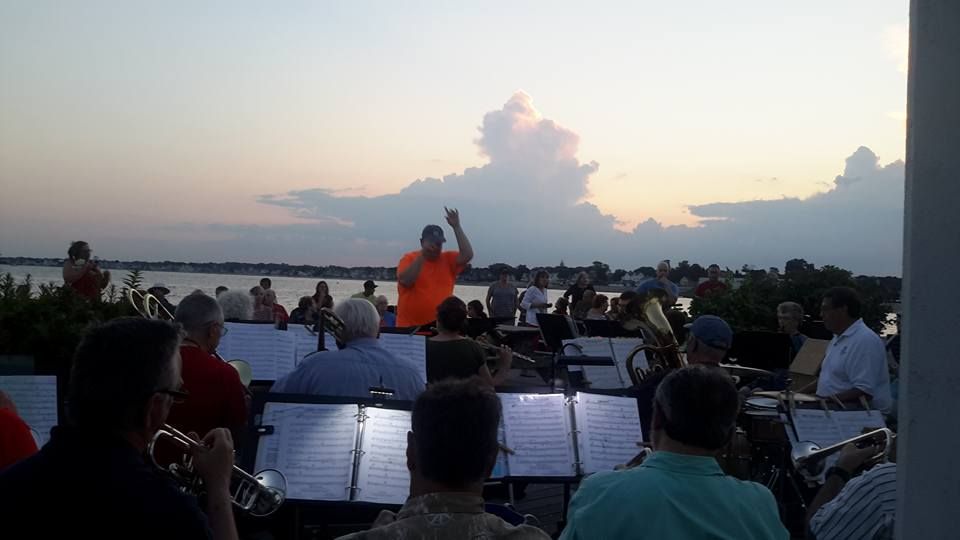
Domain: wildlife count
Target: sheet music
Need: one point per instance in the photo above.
(383, 476)
(537, 429)
(815, 425)
(853, 423)
(35, 397)
(608, 430)
(312, 445)
(599, 376)
(270, 352)
(500, 468)
(412, 348)
(622, 347)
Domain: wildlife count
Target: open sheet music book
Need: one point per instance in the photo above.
(35, 397)
(334, 452)
(271, 353)
(409, 347)
(552, 435)
(607, 377)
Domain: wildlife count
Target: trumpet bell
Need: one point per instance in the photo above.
(800, 454)
(266, 497)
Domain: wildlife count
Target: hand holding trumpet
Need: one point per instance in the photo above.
(213, 459)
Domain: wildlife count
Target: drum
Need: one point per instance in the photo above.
(736, 459)
(761, 420)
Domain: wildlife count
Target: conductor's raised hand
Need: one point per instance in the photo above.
(453, 217)
(213, 459)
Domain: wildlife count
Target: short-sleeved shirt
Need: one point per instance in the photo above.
(503, 300)
(16, 442)
(458, 359)
(352, 371)
(418, 303)
(436, 516)
(673, 496)
(857, 358)
(709, 287)
(372, 298)
(217, 397)
(864, 508)
(84, 484)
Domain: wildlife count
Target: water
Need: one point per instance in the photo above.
(288, 289)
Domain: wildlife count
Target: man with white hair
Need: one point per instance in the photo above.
(361, 365)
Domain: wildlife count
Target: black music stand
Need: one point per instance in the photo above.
(555, 329)
(603, 328)
(762, 350)
(478, 327)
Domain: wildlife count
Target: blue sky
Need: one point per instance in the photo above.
(180, 129)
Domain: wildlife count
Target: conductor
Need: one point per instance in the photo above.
(426, 277)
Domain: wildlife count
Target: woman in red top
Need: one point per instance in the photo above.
(279, 312)
(83, 274)
(17, 442)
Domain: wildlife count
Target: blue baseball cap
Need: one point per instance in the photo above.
(713, 331)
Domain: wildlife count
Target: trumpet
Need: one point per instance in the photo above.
(148, 306)
(260, 495)
(810, 460)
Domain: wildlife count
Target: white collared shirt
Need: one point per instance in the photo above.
(534, 296)
(857, 359)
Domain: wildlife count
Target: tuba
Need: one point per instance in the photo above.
(260, 495)
(660, 341)
(148, 306)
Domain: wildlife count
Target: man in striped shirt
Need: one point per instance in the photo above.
(862, 507)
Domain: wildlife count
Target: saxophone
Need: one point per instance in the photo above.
(660, 341)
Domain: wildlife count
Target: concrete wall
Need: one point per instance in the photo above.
(928, 487)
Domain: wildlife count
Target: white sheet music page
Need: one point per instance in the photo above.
(285, 353)
(256, 344)
(383, 475)
(35, 397)
(608, 430)
(606, 377)
(816, 425)
(306, 342)
(312, 445)
(537, 429)
(622, 347)
(411, 348)
(854, 423)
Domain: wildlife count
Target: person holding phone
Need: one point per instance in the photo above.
(82, 274)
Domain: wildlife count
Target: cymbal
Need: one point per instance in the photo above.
(736, 369)
(801, 398)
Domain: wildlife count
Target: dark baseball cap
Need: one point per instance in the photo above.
(369, 284)
(433, 233)
(713, 331)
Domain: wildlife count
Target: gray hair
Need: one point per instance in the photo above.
(196, 311)
(383, 298)
(237, 305)
(360, 319)
(791, 308)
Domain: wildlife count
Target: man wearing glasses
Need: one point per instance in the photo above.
(93, 478)
(217, 397)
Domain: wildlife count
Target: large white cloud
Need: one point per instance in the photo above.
(524, 206)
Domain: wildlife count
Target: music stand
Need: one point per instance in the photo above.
(603, 328)
(763, 350)
(554, 329)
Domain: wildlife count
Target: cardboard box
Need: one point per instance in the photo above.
(806, 365)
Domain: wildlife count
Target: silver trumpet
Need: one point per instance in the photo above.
(260, 494)
(810, 460)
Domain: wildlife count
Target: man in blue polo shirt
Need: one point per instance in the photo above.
(679, 491)
(663, 283)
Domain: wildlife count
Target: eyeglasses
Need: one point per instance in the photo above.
(223, 328)
(178, 396)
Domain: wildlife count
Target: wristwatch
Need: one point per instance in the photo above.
(844, 475)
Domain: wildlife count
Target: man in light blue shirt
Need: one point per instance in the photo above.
(663, 283)
(361, 365)
(679, 491)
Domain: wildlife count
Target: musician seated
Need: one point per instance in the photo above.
(305, 312)
(17, 442)
(217, 397)
(359, 366)
(856, 362)
(92, 479)
(387, 318)
(861, 507)
(451, 450)
(680, 490)
(451, 355)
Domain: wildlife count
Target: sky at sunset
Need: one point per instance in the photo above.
(331, 132)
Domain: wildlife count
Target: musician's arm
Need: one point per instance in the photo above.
(489, 297)
(408, 276)
(463, 246)
(850, 460)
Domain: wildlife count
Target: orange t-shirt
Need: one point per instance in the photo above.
(418, 304)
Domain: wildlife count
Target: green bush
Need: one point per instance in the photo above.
(753, 306)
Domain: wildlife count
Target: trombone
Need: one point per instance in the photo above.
(148, 306)
(810, 460)
(260, 495)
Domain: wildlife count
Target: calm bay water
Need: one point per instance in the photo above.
(289, 289)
